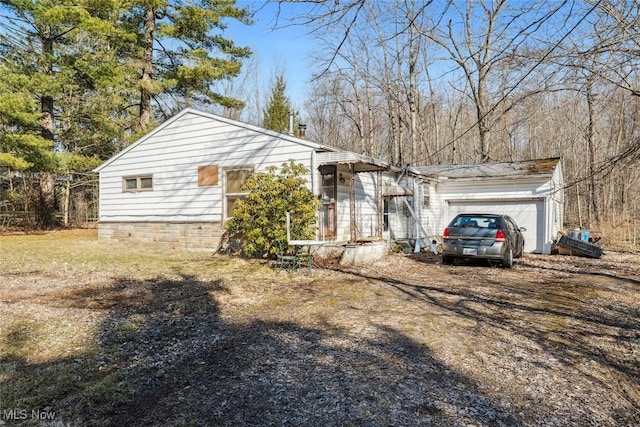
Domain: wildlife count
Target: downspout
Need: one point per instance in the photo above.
(418, 208)
(380, 207)
(314, 172)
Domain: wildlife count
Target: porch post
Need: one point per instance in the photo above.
(352, 203)
(380, 205)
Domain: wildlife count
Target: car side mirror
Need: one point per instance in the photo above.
(523, 229)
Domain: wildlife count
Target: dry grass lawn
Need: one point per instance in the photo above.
(112, 334)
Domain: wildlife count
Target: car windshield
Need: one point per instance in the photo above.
(474, 222)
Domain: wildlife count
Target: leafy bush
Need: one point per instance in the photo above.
(259, 219)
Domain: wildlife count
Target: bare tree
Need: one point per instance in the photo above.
(484, 39)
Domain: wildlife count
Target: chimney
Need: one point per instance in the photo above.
(291, 122)
(302, 129)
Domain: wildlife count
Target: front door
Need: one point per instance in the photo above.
(329, 220)
(328, 202)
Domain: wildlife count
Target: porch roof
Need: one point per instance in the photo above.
(395, 189)
(360, 162)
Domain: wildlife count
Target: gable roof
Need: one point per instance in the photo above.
(191, 111)
(527, 168)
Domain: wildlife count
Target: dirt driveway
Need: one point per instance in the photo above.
(202, 340)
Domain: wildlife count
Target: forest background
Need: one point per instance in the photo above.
(409, 82)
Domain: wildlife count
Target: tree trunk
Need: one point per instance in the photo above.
(484, 130)
(46, 200)
(66, 201)
(147, 71)
(413, 59)
(594, 190)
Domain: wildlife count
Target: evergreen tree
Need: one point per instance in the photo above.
(276, 115)
(21, 146)
(40, 58)
(176, 43)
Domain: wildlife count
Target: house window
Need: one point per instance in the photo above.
(234, 181)
(328, 184)
(425, 196)
(137, 183)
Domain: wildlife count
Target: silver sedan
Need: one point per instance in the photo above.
(485, 236)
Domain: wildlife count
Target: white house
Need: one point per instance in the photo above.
(531, 192)
(179, 183)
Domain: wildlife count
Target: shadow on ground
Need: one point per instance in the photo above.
(165, 356)
(567, 318)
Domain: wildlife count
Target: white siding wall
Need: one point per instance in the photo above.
(365, 203)
(430, 225)
(401, 224)
(557, 197)
(172, 155)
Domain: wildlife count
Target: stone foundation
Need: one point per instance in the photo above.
(197, 236)
(364, 254)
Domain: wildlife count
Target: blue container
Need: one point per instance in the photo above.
(575, 234)
(584, 236)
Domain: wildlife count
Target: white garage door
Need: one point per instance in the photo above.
(526, 213)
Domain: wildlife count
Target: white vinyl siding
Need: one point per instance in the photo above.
(367, 204)
(365, 186)
(173, 154)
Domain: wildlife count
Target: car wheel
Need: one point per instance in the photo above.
(520, 251)
(507, 261)
(447, 260)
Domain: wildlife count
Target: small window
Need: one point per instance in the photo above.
(234, 181)
(425, 197)
(137, 183)
(329, 186)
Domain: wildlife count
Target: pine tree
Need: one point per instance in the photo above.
(41, 59)
(276, 115)
(21, 146)
(177, 43)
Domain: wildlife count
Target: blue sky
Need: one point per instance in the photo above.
(285, 49)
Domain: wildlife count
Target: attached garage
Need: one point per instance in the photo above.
(531, 192)
(529, 212)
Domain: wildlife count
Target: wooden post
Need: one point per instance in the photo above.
(352, 203)
(288, 227)
(380, 205)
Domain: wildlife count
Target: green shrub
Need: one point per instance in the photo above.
(259, 219)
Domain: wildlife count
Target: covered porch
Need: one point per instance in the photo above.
(352, 196)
